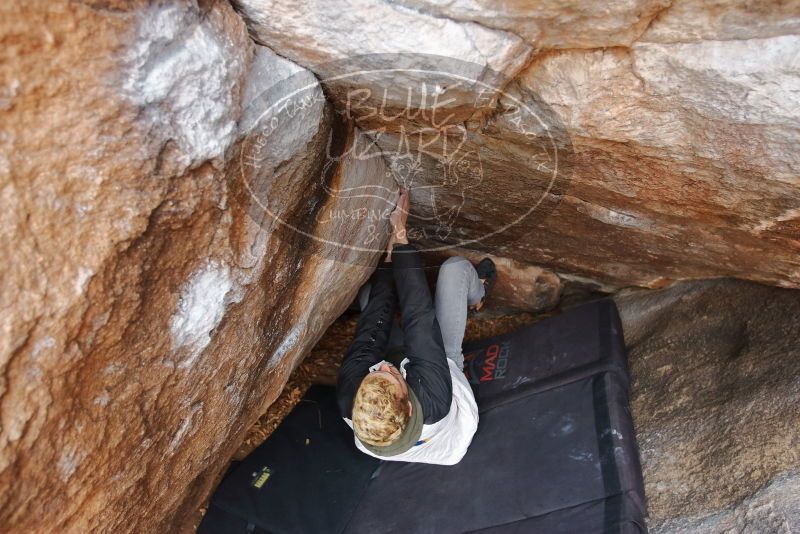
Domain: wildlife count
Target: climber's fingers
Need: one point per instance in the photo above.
(400, 213)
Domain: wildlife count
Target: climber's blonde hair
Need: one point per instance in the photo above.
(380, 411)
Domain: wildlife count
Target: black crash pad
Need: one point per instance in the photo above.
(307, 476)
(554, 452)
(584, 341)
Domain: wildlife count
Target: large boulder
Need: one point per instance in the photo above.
(674, 126)
(186, 211)
(167, 254)
(715, 390)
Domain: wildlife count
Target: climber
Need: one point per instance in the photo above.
(401, 387)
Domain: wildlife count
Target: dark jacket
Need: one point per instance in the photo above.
(427, 372)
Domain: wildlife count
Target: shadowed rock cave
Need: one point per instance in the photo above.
(194, 192)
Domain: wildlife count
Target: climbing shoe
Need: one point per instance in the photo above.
(487, 272)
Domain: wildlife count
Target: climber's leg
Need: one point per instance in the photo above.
(457, 287)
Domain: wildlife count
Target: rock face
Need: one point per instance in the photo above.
(677, 126)
(152, 309)
(186, 211)
(715, 369)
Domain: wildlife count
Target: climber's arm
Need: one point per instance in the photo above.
(372, 335)
(427, 373)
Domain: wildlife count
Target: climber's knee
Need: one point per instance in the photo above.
(456, 262)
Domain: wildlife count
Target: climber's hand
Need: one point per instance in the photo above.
(399, 217)
(398, 220)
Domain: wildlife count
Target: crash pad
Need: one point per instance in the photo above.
(555, 451)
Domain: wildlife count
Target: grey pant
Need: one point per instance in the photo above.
(457, 287)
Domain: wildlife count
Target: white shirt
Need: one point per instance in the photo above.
(446, 441)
